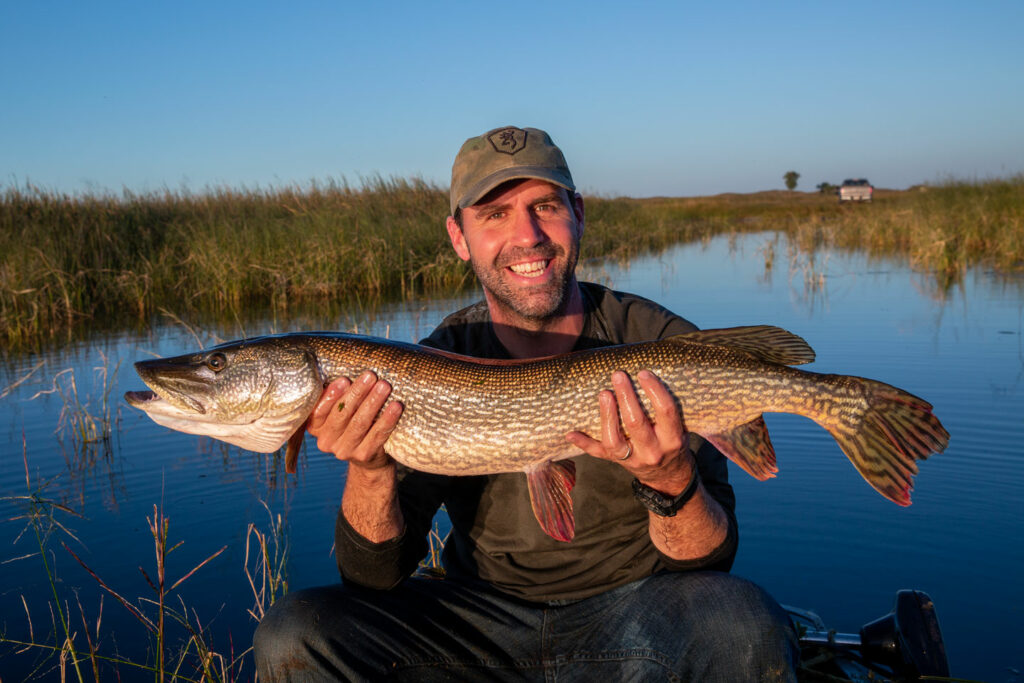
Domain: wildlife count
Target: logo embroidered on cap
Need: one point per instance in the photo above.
(508, 140)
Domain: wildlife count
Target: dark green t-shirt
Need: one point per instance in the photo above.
(495, 536)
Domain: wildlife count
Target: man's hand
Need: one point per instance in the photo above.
(345, 421)
(653, 448)
(351, 422)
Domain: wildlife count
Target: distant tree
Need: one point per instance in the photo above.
(790, 177)
(826, 188)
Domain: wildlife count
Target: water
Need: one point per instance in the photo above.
(817, 536)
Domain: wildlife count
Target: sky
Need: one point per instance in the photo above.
(644, 98)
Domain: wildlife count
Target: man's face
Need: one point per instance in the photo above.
(522, 240)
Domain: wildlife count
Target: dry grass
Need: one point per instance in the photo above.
(74, 645)
(84, 262)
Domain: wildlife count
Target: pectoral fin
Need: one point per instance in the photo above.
(749, 447)
(291, 452)
(550, 484)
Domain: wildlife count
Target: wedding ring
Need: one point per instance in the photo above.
(629, 451)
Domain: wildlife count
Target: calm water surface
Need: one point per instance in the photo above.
(817, 537)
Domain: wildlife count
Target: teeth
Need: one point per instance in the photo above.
(529, 269)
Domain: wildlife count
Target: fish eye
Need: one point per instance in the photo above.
(216, 361)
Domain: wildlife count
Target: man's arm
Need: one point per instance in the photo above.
(380, 534)
(345, 423)
(656, 452)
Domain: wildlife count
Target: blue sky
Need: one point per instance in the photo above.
(645, 98)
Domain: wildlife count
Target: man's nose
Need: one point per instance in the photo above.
(527, 231)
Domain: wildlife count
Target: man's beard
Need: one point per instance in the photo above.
(532, 304)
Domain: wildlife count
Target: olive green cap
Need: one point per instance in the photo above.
(502, 154)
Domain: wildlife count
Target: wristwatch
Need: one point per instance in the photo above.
(660, 504)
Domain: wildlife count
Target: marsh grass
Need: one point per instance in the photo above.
(74, 262)
(267, 574)
(75, 645)
(42, 517)
(88, 428)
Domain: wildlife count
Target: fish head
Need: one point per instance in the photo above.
(253, 393)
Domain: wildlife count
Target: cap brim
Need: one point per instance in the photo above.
(482, 187)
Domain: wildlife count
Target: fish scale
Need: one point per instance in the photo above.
(466, 416)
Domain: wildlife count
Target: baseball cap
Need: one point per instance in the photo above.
(502, 154)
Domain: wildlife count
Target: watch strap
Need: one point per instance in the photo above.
(661, 504)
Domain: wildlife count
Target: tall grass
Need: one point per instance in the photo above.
(70, 262)
(945, 228)
(177, 646)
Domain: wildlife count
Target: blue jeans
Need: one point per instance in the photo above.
(683, 626)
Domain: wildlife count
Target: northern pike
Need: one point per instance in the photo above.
(471, 416)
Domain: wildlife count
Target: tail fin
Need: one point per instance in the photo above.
(896, 430)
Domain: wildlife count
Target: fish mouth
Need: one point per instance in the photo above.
(172, 394)
(153, 403)
(139, 399)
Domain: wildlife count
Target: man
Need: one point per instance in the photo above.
(640, 593)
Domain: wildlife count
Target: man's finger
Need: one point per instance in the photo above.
(368, 409)
(634, 416)
(611, 428)
(667, 419)
(383, 426)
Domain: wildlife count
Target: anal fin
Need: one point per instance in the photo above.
(550, 484)
(749, 447)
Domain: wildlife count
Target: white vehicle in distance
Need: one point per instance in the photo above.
(855, 190)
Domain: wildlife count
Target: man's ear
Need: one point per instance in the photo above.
(577, 209)
(457, 238)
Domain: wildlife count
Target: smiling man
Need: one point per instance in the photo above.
(642, 592)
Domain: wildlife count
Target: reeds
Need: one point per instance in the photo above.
(88, 427)
(68, 259)
(945, 228)
(267, 575)
(100, 260)
(73, 651)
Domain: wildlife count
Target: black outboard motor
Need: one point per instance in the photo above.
(908, 639)
(905, 644)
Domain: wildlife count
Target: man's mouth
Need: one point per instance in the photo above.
(531, 269)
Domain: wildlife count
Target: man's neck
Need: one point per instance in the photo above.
(537, 338)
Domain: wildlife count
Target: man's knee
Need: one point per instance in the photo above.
(740, 607)
(302, 631)
(752, 627)
(281, 634)
(725, 619)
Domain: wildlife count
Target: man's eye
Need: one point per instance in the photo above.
(496, 215)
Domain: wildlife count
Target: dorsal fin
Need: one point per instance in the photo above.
(766, 342)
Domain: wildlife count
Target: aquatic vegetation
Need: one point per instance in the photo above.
(80, 261)
(268, 575)
(71, 650)
(88, 427)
